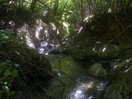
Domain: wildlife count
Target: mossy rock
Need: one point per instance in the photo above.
(121, 87)
(108, 51)
(126, 43)
(97, 70)
(66, 65)
(93, 50)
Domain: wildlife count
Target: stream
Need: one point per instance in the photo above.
(89, 79)
(79, 76)
(72, 80)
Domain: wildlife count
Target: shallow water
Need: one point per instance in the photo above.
(72, 81)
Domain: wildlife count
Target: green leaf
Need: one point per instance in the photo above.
(14, 73)
(113, 91)
(7, 73)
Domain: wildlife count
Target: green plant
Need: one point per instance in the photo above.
(20, 67)
(8, 73)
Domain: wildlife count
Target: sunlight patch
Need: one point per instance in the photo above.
(53, 26)
(37, 33)
(80, 29)
(79, 92)
(29, 42)
(41, 50)
(86, 19)
(24, 34)
(44, 44)
(12, 23)
(104, 49)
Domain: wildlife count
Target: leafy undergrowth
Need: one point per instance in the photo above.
(20, 67)
(8, 72)
(121, 87)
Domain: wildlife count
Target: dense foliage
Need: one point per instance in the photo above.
(95, 33)
(19, 66)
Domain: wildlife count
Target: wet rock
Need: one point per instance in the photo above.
(97, 70)
(67, 65)
(124, 65)
(108, 51)
(93, 51)
(120, 87)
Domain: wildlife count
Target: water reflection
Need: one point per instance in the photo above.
(41, 50)
(44, 44)
(78, 85)
(79, 92)
(77, 95)
(87, 90)
(57, 73)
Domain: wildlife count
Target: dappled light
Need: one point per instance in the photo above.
(12, 24)
(39, 37)
(29, 41)
(87, 18)
(104, 49)
(23, 32)
(65, 49)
